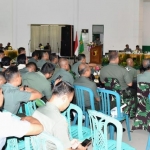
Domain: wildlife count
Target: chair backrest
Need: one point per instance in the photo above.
(41, 142)
(77, 120)
(105, 98)
(79, 93)
(99, 125)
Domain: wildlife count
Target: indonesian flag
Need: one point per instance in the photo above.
(76, 46)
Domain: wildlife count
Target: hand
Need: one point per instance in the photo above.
(21, 88)
(57, 81)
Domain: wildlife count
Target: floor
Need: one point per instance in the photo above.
(138, 138)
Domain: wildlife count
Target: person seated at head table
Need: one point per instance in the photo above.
(132, 72)
(35, 57)
(39, 80)
(1, 47)
(138, 49)
(11, 126)
(21, 50)
(83, 80)
(51, 118)
(47, 47)
(81, 59)
(145, 76)
(8, 47)
(43, 60)
(13, 94)
(6, 62)
(63, 71)
(127, 49)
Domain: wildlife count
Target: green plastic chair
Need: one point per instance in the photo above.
(76, 131)
(99, 123)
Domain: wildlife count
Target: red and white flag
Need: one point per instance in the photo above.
(76, 46)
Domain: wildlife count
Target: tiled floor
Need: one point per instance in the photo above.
(138, 138)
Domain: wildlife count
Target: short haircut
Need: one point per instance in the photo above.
(20, 49)
(53, 56)
(81, 56)
(112, 55)
(10, 72)
(82, 71)
(146, 66)
(32, 64)
(47, 68)
(44, 53)
(6, 61)
(137, 45)
(1, 51)
(35, 54)
(62, 88)
(21, 59)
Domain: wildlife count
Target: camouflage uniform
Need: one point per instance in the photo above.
(142, 119)
(125, 96)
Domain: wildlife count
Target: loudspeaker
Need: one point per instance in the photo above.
(67, 41)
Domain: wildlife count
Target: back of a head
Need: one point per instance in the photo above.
(6, 61)
(10, 72)
(44, 53)
(47, 68)
(32, 64)
(62, 88)
(20, 50)
(1, 51)
(52, 57)
(21, 59)
(146, 64)
(113, 55)
(35, 54)
(62, 62)
(81, 56)
(82, 69)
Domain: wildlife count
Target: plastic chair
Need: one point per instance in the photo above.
(76, 131)
(79, 94)
(105, 98)
(41, 141)
(99, 123)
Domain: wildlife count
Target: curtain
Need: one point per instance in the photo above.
(46, 34)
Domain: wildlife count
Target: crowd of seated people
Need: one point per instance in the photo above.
(38, 76)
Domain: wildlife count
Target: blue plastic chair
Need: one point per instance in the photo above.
(76, 131)
(40, 142)
(79, 94)
(99, 123)
(105, 98)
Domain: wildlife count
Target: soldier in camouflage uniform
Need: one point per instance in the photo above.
(142, 119)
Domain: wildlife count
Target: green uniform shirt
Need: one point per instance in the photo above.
(23, 72)
(40, 63)
(13, 97)
(132, 72)
(32, 60)
(37, 80)
(66, 76)
(54, 123)
(83, 81)
(118, 72)
(74, 68)
(144, 77)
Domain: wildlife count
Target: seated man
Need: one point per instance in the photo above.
(63, 71)
(145, 77)
(44, 59)
(6, 62)
(22, 61)
(12, 126)
(130, 69)
(8, 47)
(83, 80)
(13, 94)
(127, 49)
(38, 80)
(51, 118)
(113, 70)
(35, 57)
(138, 49)
(21, 50)
(31, 67)
(81, 59)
